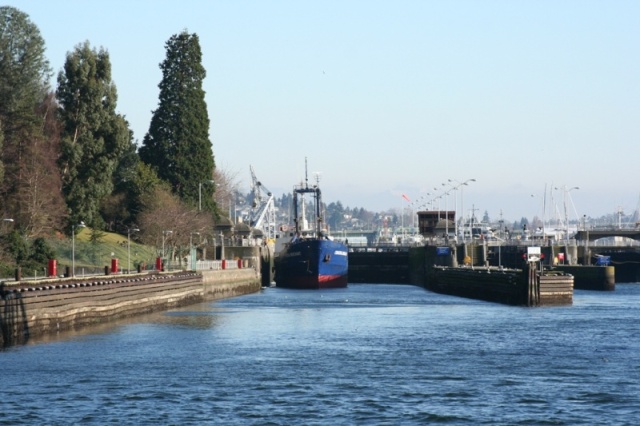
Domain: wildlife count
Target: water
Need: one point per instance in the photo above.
(368, 354)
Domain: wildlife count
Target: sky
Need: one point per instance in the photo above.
(392, 98)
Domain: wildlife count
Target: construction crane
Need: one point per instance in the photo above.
(263, 212)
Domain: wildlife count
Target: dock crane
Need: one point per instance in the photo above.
(263, 212)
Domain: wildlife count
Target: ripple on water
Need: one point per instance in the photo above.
(391, 355)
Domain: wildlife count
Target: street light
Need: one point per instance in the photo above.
(192, 266)
(73, 247)
(564, 201)
(129, 247)
(9, 220)
(455, 188)
(164, 233)
(200, 193)
(461, 185)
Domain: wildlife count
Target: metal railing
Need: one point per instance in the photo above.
(214, 265)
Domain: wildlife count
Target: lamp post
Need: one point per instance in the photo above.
(564, 202)
(192, 263)
(221, 245)
(200, 193)
(8, 220)
(455, 188)
(446, 215)
(73, 247)
(129, 230)
(461, 185)
(164, 233)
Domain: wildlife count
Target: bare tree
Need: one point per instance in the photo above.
(168, 222)
(227, 185)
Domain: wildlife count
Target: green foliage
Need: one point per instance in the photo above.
(17, 246)
(119, 207)
(94, 137)
(96, 236)
(95, 240)
(6, 269)
(31, 256)
(177, 145)
(335, 215)
(42, 251)
(24, 75)
(1, 149)
(144, 186)
(24, 70)
(94, 257)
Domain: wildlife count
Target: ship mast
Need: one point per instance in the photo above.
(302, 190)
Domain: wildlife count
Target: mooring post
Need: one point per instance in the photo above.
(533, 287)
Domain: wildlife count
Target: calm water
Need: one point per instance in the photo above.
(369, 354)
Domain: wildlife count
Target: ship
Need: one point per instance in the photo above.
(311, 259)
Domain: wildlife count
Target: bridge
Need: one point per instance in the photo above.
(596, 234)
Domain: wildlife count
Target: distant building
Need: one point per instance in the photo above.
(434, 223)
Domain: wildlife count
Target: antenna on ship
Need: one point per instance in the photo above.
(306, 174)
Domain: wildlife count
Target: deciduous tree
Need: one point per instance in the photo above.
(164, 212)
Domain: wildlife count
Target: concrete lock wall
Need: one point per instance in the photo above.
(230, 283)
(57, 305)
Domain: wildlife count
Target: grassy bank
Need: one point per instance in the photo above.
(95, 256)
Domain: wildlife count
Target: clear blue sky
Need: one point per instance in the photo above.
(387, 98)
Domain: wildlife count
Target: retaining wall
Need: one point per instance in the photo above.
(508, 286)
(48, 307)
(591, 277)
(379, 267)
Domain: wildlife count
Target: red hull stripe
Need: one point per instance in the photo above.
(322, 281)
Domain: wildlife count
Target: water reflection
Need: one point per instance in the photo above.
(199, 316)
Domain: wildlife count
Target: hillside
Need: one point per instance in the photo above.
(94, 257)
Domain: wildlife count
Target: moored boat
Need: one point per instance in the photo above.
(311, 259)
(312, 263)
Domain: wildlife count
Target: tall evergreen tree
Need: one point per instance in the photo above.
(94, 136)
(24, 70)
(177, 145)
(30, 184)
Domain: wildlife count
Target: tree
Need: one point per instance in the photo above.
(30, 187)
(94, 136)
(164, 211)
(177, 145)
(17, 246)
(24, 71)
(37, 199)
(42, 252)
(121, 207)
(1, 150)
(335, 215)
(227, 188)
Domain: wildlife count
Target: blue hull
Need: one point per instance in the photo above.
(313, 264)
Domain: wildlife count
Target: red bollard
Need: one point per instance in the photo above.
(239, 263)
(224, 264)
(53, 268)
